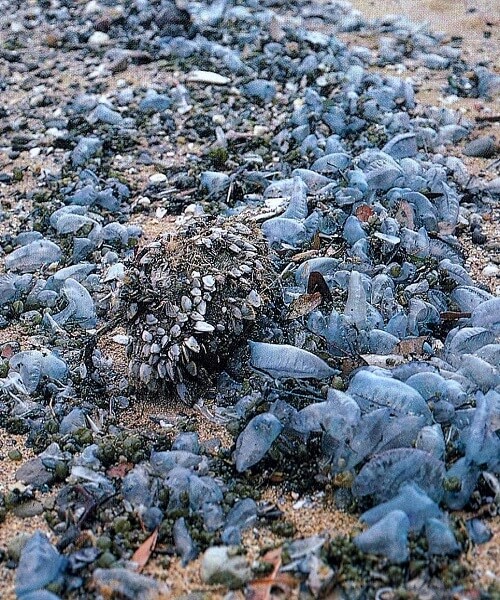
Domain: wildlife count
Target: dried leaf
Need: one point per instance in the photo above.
(364, 212)
(301, 256)
(383, 360)
(454, 315)
(119, 471)
(143, 553)
(488, 118)
(317, 283)
(303, 305)
(316, 242)
(350, 363)
(261, 589)
(412, 345)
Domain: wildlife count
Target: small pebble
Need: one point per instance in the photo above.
(260, 130)
(98, 39)
(158, 178)
(483, 147)
(208, 77)
(28, 509)
(16, 544)
(478, 237)
(491, 271)
(15, 455)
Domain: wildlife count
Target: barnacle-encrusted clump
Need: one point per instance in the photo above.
(190, 298)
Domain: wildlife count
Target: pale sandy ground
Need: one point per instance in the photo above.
(453, 18)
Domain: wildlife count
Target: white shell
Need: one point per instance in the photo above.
(145, 372)
(254, 299)
(207, 77)
(203, 327)
(192, 344)
(175, 331)
(202, 307)
(162, 369)
(235, 272)
(186, 303)
(208, 282)
(174, 351)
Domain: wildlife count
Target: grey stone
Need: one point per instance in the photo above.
(16, 545)
(28, 509)
(34, 473)
(483, 147)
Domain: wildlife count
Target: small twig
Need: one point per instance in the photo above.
(203, 410)
(109, 326)
(229, 192)
(494, 164)
(488, 118)
(454, 315)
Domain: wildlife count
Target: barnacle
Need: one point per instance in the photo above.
(191, 297)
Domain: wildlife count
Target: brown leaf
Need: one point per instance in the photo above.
(143, 553)
(260, 589)
(303, 305)
(317, 283)
(364, 212)
(350, 363)
(301, 256)
(316, 242)
(120, 470)
(412, 345)
(451, 315)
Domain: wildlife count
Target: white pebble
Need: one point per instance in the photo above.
(203, 327)
(260, 130)
(92, 7)
(208, 77)
(98, 38)
(158, 178)
(491, 270)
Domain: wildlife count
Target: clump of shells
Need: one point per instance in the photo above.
(190, 298)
